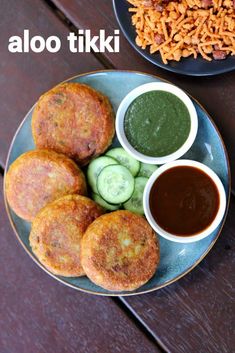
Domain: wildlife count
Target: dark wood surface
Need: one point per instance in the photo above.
(197, 313)
(216, 94)
(40, 315)
(37, 314)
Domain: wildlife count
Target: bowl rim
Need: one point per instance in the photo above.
(118, 294)
(219, 215)
(150, 87)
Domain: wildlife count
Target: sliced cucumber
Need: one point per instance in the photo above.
(108, 206)
(115, 184)
(95, 168)
(125, 159)
(135, 203)
(146, 170)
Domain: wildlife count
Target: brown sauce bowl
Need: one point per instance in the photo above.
(176, 236)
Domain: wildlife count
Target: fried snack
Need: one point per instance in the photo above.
(73, 119)
(119, 251)
(185, 28)
(57, 231)
(39, 177)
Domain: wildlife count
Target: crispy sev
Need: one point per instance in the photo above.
(189, 27)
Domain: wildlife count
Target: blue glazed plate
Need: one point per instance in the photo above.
(187, 66)
(176, 259)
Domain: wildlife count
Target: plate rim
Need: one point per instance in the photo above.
(147, 57)
(118, 294)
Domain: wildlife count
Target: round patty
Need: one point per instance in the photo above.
(39, 177)
(57, 231)
(73, 119)
(120, 251)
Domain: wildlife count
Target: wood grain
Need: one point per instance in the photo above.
(216, 93)
(196, 314)
(40, 315)
(24, 77)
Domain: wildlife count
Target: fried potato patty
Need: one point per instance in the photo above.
(119, 251)
(57, 231)
(73, 119)
(39, 177)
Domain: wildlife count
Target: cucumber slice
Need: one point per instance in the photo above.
(108, 206)
(95, 168)
(125, 159)
(135, 203)
(146, 170)
(115, 184)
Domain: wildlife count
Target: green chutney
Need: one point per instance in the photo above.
(157, 123)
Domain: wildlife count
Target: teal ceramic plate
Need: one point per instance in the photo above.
(176, 259)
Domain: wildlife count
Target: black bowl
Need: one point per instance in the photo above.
(187, 66)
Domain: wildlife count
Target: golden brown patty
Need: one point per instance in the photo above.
(73, 119)
(39, 177)
(57, 231)
(119, 251)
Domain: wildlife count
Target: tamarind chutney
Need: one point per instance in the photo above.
(184, 200)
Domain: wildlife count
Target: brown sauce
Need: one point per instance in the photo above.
(184, 200)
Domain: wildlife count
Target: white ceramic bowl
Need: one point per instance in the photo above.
(156, 86)
(218, 218)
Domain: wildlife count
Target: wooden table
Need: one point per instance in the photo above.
(38, 314)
